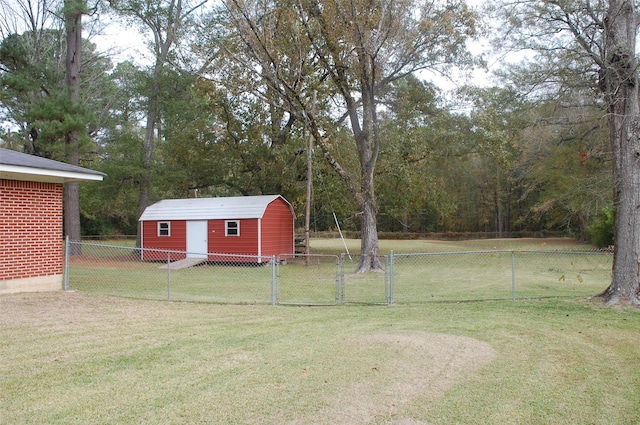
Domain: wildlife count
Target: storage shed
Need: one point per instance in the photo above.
(248, 225)
(31, 238)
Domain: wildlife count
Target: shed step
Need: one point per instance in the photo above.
(184, 263)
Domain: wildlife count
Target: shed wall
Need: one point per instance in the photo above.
(246, 243)
(30, 236)
(177, 241)
(278, 229)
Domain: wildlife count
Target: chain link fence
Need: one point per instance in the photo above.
(322, 279)
(133, 273)
(498, 274)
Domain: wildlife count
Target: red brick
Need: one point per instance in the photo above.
(30, 229)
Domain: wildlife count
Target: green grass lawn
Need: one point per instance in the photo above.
(89, 357)
(78, 358)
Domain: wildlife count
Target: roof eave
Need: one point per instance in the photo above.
(15, 172)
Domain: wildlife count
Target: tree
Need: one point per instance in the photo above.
(564, 171)
(600, 39)
(419, 138)
(73, 11)
(31, 72)
(40, 76)
(619, 82)
(111, 206)
(166, 21)
(496, 120)
(348, 53)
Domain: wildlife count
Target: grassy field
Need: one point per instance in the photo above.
(335, 246)
(80, 358)
(72, 358)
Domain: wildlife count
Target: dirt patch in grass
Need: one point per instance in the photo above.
(60, 310)
(414, 367)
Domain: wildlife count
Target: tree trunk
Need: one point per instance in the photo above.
(73, 25)
(620, 84)
(368, 142)
(507, 206)
(147, 158)
(498, 204)
(369, 251)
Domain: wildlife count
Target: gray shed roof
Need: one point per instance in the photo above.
(235, 207)
(21, 166)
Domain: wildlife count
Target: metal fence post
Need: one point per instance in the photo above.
(513, 275)
(340, 280)
(273, 280)
(169, 275)
(391, 279)
(66, 263)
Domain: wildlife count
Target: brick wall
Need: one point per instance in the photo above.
(30, 229)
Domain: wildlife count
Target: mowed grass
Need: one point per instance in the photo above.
(88, 358)
(75, 358)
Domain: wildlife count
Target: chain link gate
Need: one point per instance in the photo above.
(374, 287)
(312, 279)
(328, 280)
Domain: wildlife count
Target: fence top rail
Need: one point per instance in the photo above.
(395, 254)
(173, 251)
(102, 245)
(302, 255)
(417, 254)
(568, 251)
(514, 251)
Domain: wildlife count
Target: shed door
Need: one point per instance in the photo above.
(197, 239)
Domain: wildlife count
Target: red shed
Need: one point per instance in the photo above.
(31, 220)
(248, 225)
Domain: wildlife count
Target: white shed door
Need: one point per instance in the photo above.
(197, 239)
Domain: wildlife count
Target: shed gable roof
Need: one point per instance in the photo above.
(21, 166)
(235, 207)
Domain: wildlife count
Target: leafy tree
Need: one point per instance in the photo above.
(41, 55)
(599, 38)
(419, 140)
(166, 22)
(603, 228)
(34, 97)
(110, 207)
(33, 88)
(565, 165)
(346, 53)
(495, 122)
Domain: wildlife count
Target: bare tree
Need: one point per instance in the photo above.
(33, 16)
(348, 52)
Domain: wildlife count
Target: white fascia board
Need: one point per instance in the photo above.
(14, 172)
